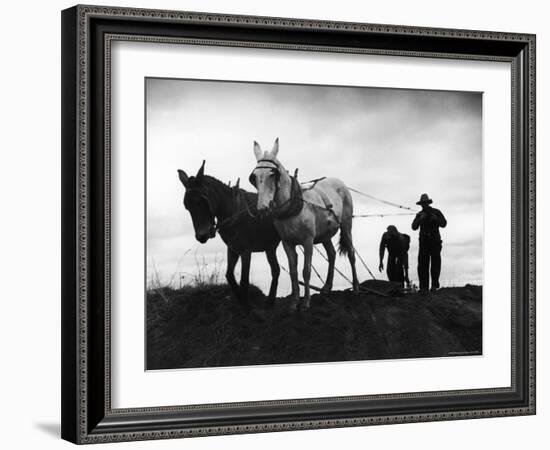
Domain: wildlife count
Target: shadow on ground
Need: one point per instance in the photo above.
(205, 327)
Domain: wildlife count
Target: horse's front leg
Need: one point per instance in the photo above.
(245, 273)
(290, 250)
(275, 271)
(232, 258)
(308, 253)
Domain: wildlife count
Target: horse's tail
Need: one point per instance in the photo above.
(346, 242)
(345, 246)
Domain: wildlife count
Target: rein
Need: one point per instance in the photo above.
(231, 220)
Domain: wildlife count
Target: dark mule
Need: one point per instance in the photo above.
(213, 205)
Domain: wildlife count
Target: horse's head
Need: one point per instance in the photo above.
(197, 201)
(266, 177)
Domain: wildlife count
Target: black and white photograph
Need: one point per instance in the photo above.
(294, 223)
(276, 220)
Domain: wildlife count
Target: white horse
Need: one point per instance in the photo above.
(304, 217)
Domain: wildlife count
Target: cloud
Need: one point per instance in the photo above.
(391, 143)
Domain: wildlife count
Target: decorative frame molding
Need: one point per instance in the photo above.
(88, 31)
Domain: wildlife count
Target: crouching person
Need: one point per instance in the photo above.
(397, 265)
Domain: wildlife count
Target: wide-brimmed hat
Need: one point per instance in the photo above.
(424, 200)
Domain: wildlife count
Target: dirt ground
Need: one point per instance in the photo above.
(206, 327)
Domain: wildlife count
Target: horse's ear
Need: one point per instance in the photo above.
(200, 173)
(258, 153)
(275, 148)
(238, 182)
(183, 178)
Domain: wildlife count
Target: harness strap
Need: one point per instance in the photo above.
(312, 182)
(293, 206)
(231, 220)
(235, 217)
(270, 161)
(324, 197)
(266, 167)
(326, 200)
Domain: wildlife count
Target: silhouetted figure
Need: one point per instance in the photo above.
(429, 251)
(397, 266)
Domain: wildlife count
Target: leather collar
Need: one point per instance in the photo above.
(293, 206)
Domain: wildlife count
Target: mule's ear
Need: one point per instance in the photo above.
(258, 153)
(200, 173)
(238, 182)
(183, 178)
(275, 148)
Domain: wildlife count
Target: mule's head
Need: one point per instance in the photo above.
(265, 177)
(197, 201)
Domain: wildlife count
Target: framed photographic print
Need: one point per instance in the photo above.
(277, 224)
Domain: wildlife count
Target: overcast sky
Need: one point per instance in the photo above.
(390, 143)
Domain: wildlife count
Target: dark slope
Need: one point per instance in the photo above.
(204, 327)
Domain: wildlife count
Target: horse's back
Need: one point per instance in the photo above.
(329, 190)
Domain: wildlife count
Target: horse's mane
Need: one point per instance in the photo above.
(217, 182)
(219, 186)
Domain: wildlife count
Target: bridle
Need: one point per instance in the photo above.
(200, 193)
(274, 168)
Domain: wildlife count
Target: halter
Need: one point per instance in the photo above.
(274, 168)
(291, 207)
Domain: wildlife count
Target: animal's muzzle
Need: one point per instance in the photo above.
(202, 237)
(265, 212)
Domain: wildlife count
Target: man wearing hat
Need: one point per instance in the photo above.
(429, 220)
(397, 267)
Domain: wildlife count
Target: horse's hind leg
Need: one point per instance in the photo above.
(232, 258)
(275, 271)
(346, 246)
(331, 256)
(351, 257)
